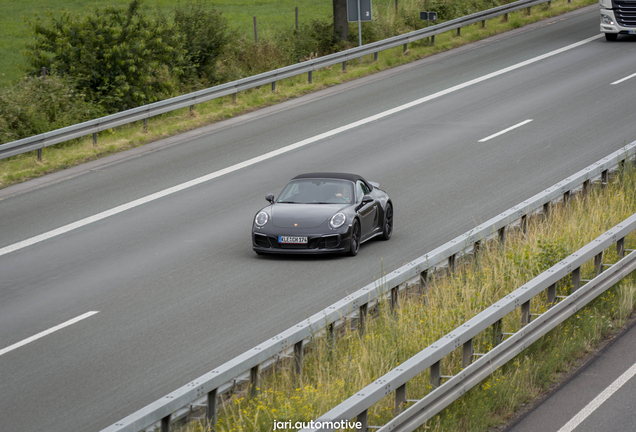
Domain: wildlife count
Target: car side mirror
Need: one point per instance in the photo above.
(270, 198)
(365, 200)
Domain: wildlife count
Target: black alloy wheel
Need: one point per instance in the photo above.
(355, 238)
(388, 222)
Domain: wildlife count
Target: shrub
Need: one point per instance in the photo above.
(118, 56)
(33, 106)
(205, 34)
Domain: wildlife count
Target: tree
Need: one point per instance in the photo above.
(119, 56)
(340, 22)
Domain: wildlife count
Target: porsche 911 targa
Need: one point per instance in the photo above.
(323, 213)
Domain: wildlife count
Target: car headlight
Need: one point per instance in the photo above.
(337, 220)
(261, 219)
(606, 19)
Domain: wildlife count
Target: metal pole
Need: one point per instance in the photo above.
(296, 17)
(255, 32)
(360, 27)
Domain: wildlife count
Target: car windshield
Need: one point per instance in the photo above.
(317, 191)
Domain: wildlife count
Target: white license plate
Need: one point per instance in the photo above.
(292, 239)
(632, 32)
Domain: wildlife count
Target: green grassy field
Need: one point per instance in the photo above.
(271, 14)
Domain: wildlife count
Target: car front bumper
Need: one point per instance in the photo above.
(316, 243)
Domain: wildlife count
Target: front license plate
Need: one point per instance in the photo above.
(632, 32)
(292, 240)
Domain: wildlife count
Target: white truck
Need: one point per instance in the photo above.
(618, 17)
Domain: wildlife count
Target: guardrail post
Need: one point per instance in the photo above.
(395, 302)
(546, 210)
(502, 236)
(375, 56)
(566, 198)
(310, 77)
(598, 264)
(586, 188)
(551, 295)
(298, 357)
(424, 283)
(404, 48)
(331, 336)
(363, 419)
(620, 248)
(255, 377)
(576, 279)
(529, 10)
(400, 398)
(497, 332)
(476, 247)
(524, 224)
(604, 178)
(505, 17)
(433, 40)
(467, 353)
(145, 125)
(39, 154)
(436, 375)
(273, 86)
(165, 423)
(483, 23)
(525, 313)
(344, 65)
(212, 409)
(191, 110)
(459, 31)
(94, 138)
(362, 321)
(451, 265)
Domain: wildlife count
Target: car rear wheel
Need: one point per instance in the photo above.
(388, 222)
(355, 238)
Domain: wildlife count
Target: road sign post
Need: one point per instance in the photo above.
(359, 10)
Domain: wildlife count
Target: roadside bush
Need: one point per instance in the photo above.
(205, 34)
(33, 106)
(118, 56)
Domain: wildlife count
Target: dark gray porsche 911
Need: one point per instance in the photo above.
(323, 213)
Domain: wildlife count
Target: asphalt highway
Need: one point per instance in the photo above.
(598, 397)
(174, 283)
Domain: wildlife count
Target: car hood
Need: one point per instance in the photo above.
(303, 215)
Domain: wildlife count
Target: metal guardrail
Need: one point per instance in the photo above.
(246, 367)
(38, 142)
(357, 406)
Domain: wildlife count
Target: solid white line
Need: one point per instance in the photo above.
(505, 130)
(598, 401)
(624, 79)
(266, 156)
(46, 332)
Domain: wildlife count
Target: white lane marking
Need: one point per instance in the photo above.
(266, 156)
(47, 332)
(624, 79)
(598, 401)
(505, 130)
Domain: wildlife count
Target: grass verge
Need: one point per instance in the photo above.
(334, 370)
(56, 158)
